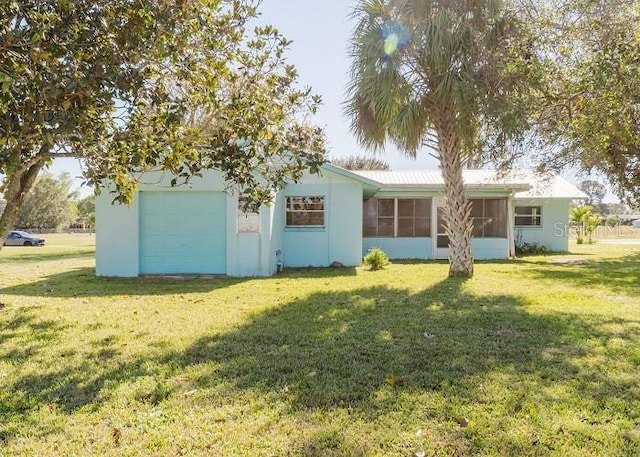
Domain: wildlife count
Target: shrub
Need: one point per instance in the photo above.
(530, 248)
(523, 247)
(376, 259)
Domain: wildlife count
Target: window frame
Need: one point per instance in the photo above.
(243, 217)
(291, 210)
(396, 218)
(531, 215)
(489, 219)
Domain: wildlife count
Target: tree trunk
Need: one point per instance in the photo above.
(16, 187)
(457, 211)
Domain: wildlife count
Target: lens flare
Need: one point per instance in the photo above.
(395, 37)
(391, 44)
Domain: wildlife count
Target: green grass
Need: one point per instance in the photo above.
(539, 358)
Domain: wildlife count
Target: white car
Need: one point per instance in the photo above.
(636, 223)
(21, 238)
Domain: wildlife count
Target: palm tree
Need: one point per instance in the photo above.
(440, 74)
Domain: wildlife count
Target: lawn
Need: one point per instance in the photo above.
(527, 358)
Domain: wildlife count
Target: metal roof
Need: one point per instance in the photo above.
(527, 184)
(550, 186)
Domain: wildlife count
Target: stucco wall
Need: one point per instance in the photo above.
(116, 238)
(117, 231)
(249, 254)
(400, 248)
(490, 248)
(554, 232)
(340, 239)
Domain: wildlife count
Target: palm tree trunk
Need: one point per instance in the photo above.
(17, 186)
(457, 214)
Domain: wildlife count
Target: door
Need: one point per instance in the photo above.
(183, 233)
(442, 240)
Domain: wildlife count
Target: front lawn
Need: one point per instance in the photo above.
(527, 358)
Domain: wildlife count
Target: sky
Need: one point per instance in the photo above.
(320, 31)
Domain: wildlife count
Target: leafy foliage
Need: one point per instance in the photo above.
(376, 259)
(591, 105)
(86, 209)
(360, 162)
(525, 248)
(586, 221)
(595, 190)
(49, 203)
(175, 86)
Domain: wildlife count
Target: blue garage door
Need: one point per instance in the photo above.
(183, 232)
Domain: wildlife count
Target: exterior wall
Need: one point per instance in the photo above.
(249, 254)
(400, 248)
(490, 248)
(117, 252)
(118, 229)
(425, 248)
(340, 239)
(554, 232)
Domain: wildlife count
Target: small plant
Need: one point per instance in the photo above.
(586, 223)
(376, 259)
(522, 247)
(530, 248)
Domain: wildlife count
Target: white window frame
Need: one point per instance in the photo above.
(291, 207)
(533, 215)
(247, 221)
(485, 218)
(396, 217)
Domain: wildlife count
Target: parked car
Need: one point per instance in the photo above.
(21, 238)
(636, 223)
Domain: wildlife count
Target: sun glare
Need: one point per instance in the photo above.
(395, 37)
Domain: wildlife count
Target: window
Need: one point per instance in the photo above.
(248, 222)
(396, 217)
(305, 211)
(378, 217)
(528, 216)
(489, 217)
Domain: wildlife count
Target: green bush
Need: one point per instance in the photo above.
(376, 259)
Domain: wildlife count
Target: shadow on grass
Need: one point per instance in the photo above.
(34, 256)
(619, 275)
(82, 282)
(340, 349)
(358, 350)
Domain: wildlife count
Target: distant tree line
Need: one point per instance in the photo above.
(52, 203)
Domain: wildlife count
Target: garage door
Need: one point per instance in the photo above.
(183, 232)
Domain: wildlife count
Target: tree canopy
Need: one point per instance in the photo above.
(49, 204)
(595, 190)
(589, 114)
(150, 85)
(360, 162)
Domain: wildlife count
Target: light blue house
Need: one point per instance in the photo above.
(336, 216)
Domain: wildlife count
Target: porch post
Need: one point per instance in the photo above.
(511, 227)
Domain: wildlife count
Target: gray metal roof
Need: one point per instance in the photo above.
(527, 184)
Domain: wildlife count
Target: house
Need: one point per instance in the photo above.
(336, 216)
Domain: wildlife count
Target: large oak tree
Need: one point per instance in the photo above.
(589, 114)
(135, 85)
